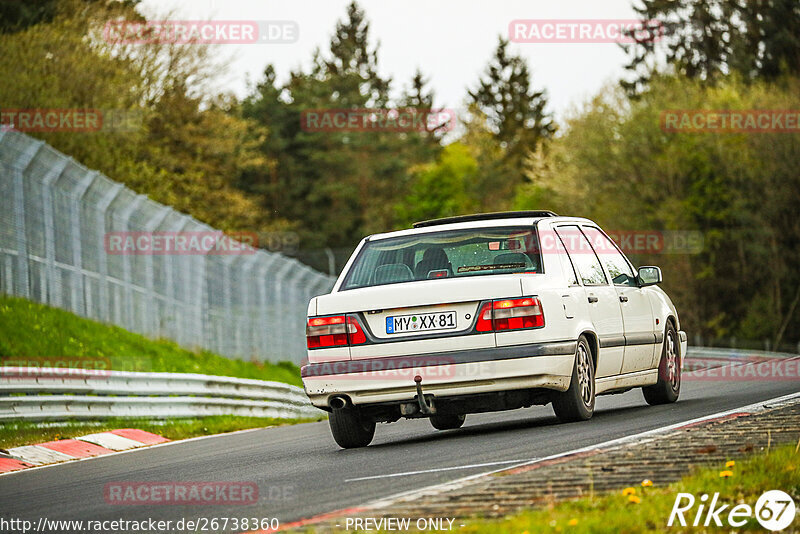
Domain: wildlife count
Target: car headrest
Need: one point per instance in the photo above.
(393, 272)
(434, 259)
(435, 255)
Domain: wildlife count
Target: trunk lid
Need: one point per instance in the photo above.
(419, 294)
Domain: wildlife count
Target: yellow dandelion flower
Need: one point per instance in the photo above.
(572, 522)
(730, 464)
(634, 499)
(646, 483)
(629, 491)
(725, 474)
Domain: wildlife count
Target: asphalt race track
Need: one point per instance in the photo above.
(300, 472)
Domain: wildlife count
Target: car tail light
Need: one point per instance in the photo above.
(355, 332)
(484, 323)
(510, 314)
(334, 331)
(513, 314)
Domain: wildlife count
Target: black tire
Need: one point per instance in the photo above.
(577, 403)
(668, 387)
(349, 429)
(447, 422)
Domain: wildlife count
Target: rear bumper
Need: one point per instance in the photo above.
(391, 379)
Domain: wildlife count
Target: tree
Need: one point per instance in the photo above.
(423, 146)
(336, 184)
(507, 123)
(709, 39)
(182, 149)
(515, 111)
(16, 15)
(440, 189)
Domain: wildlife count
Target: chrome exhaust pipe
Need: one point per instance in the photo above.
(337, 403)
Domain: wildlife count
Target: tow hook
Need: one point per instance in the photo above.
(424, 408)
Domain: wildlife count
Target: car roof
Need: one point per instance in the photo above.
(485, 217)
(508, 219)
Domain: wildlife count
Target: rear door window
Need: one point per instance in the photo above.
(615, 263)
(582, 255)
(566, 262)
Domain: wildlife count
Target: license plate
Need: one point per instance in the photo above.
(421, 322)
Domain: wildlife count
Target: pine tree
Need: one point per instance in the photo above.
(507, 123)
(336, 185)
(514, 109)
(708, 39)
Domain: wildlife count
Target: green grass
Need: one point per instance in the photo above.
(28, 329)
(42, 335)
(613, 513)
(15, 434)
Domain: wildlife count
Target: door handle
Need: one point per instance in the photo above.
(592, 299)
(623, 298)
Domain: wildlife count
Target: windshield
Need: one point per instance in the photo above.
(448, 254)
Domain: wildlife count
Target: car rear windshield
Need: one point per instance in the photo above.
(446, 254)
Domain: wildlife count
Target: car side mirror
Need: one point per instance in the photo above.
(649, 276)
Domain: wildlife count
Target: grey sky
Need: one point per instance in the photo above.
(449, 40)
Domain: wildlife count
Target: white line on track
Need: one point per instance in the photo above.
(409, 473)
(461, 482)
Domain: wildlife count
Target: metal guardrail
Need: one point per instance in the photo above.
(37, 394)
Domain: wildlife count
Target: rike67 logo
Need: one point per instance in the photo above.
(774, 510)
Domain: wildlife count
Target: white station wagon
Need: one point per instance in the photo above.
(487, 312)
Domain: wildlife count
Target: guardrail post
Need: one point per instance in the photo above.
(212, 290)
(236, 313)
(178, 283)
(102, 260)
(152, 315)
(54, 293)
(203, 320)
(22, 285)
(127, 260)
(265, 327)
(78, 293)
(280, 319)
(249, 294)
